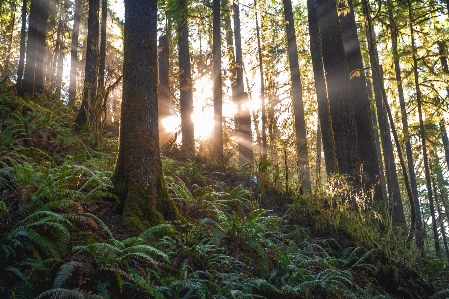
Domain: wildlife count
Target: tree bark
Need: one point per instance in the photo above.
(74, 51)
(185, 82)
(138, 179)
(339, 90)
(22, 45)
(86, 113)
(298, 106)
(10, 40)
(325, 120)
(217, 90)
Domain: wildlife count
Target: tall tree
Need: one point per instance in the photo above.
(298, 106)
(61, 48)
(33, 79)
(361, 102)
(262, 85)
(243, 127)
(185, 80)
(218, 101)
(102, 57)
(339, 90)
(138, 179)
(422, 130)
(327, 132)
(11, 26)
(405, 127)
(74, 51)
(86, 112)
(22, 44)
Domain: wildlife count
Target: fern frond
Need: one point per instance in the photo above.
(65, 272)
(66, 294)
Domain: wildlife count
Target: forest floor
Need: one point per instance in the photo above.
(243, 236)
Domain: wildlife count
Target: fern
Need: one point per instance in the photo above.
(65, 272)
(66, 294)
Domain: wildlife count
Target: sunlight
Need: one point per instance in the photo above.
(171, 123)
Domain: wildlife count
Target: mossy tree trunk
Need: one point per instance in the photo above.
(138, 179)
(298, 106)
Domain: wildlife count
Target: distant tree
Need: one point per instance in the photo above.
(185, 80)
(102, 53)
(243, 122)
(298, 106)
(262, 83)
(22, 49)
(74, 51)
(33, 78)
(327, 132)
(138, 179)
(217, 89)
(86, 112)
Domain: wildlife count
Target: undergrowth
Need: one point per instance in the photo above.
(60, 237)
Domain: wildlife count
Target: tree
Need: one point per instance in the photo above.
(22, 44)
(422, 130)
(138, 179)
(326, 130)
(33, 79)
(262, 85)
(339, 90)
(218, 101)
(361, 102)
(74, 51)
(185, 80)
(86, 112)
(102, 53)
(298, 106)
(243, 123)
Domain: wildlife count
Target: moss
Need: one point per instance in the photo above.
(135, 225)
(165, 204)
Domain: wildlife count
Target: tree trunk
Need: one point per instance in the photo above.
(395, 201)
(185, 82)
(86, 114)
(217, 90)
(327, 132)
(138, 179)
(33, 79)
(339, 89)
(262, 85)
(102, 58)
(243, 130)
(298, 106)
(10, 40)
(423, 131)
(61, 53)
(74, 51)
(445, 141)
(22, 44)
(361, 102)
(440, 218)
